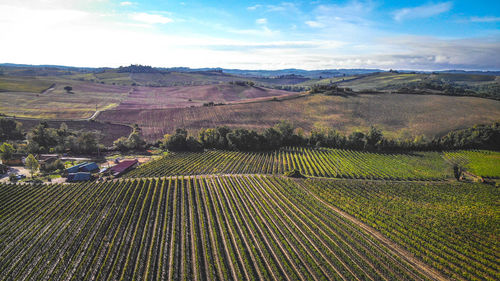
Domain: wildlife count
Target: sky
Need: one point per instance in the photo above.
(395, 34)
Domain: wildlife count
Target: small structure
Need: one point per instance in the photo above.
(89, 168)
(80, 176)
(75, 168)
(47, 158)
(15, 160)
(122, 167)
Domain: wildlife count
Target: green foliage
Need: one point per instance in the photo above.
(32, 164)
(181, 142)
(479, 162)
(10, 130)
(295, 173)
(57, 165)
(451, 226)
(6, 151)
(133, 142)
(43, 139)
(311, 162)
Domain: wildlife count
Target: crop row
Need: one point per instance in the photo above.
(451, 226)
(312, 162)
(185, 228)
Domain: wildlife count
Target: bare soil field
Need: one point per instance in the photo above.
(396, 115)
(168, 97)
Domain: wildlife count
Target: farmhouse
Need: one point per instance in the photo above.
(122, 167)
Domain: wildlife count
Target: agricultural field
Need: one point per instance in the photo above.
(479, 162)
(56, 103)
(196, 228)
(452, 226)
(392, 81)
(404, 116)
(311, 162)
(23, 84)
(186, 96)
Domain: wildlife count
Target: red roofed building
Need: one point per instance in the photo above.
(123, 167)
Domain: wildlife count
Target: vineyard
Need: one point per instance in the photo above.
(479, 162)
(312, 162)
(196, 228)
(453, 227)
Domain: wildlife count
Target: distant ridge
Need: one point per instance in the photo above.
(313, 74)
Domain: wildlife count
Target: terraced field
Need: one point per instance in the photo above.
(201, 228)
(312, 162)
(479, 162)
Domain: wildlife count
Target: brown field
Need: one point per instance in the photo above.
(168, 97)
(108, 132)
(396, 115)
(58, 104)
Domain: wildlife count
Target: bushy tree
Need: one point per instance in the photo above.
(32, 164)
(10, 130)
(6, 151)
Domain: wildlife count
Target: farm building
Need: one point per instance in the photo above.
(75, 168)
(80, 176)
(89, 167)
(16, 160)
(122, 167)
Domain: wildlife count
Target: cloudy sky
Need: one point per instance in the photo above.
(398, 34)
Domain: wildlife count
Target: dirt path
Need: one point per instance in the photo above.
(393, 247)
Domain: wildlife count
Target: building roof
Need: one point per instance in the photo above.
(89, 167)
(123, 166)
(79, 176)
(75, 168)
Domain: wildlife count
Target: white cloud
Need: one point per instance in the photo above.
(314, 24)
(485, 19)
(288, 7)
(261, 21)
(126, 3)
(255, 7)
(150, 18)
(423, 11)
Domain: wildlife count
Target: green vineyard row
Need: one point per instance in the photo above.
(186, 228)
(312, 162)
(452, 226)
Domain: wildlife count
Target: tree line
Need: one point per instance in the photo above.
(285, 134)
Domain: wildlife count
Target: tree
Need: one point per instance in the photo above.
(373, 138)
(68, 89)
(32, 164)
(10, 130)
(6, 151)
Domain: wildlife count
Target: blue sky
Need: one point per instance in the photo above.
(419, 35)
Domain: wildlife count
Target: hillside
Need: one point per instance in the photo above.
(397, 115)
(169, 97)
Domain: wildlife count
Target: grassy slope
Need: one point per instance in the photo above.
(23, 84)
(391, 81)
(396, 115)
(482, 163)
